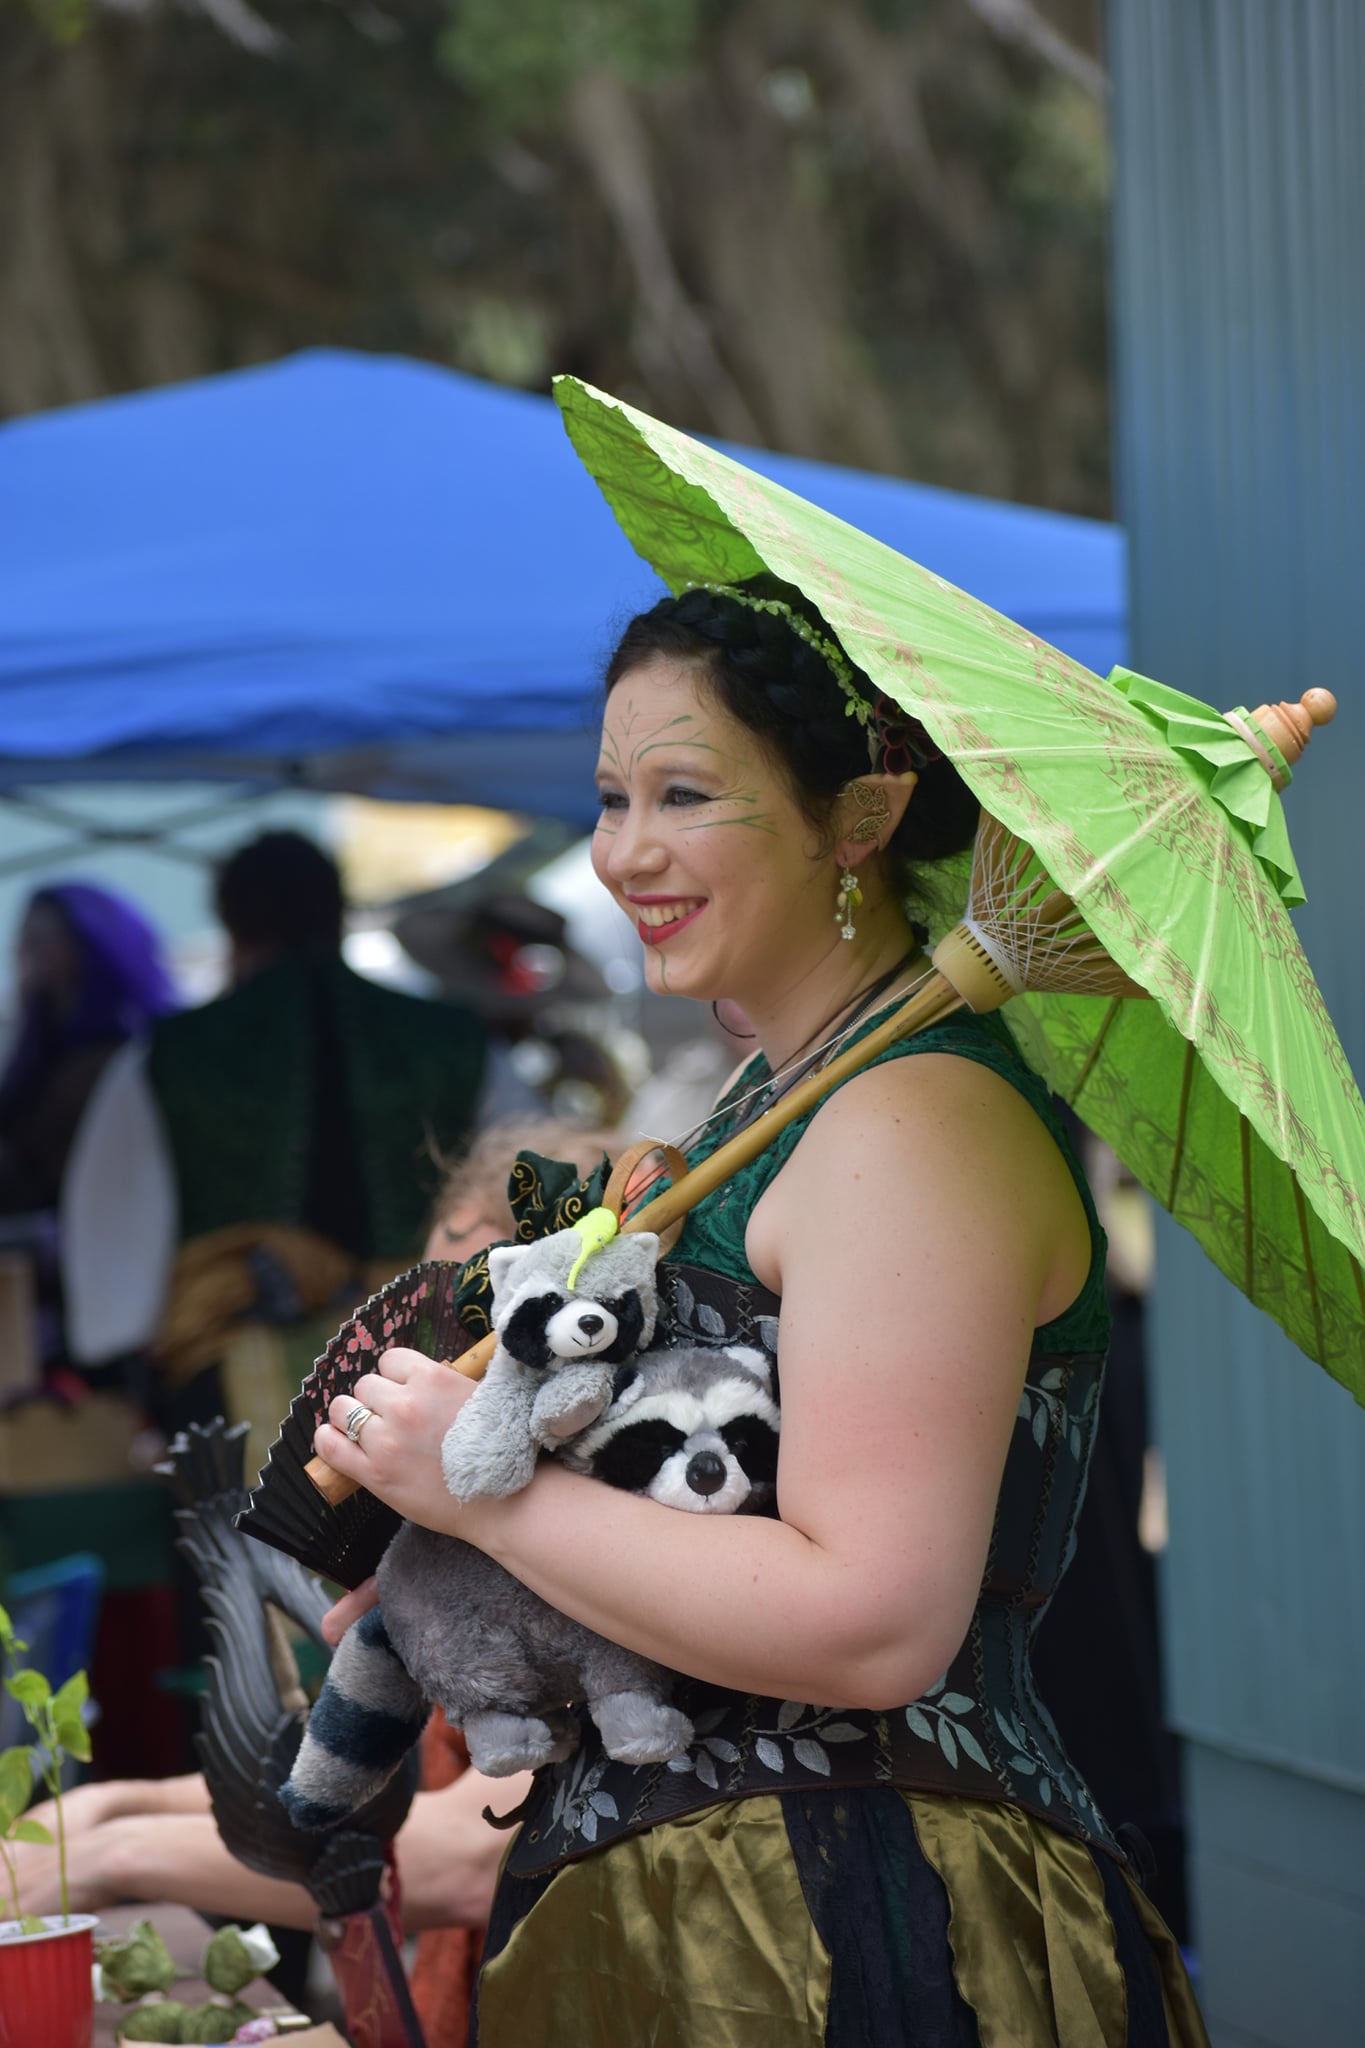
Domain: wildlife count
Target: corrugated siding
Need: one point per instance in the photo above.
(1240, 340)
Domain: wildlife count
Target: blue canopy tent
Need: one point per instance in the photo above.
(363, 573)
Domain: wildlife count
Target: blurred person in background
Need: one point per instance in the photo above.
(155, 1841)
(298, 1117)
(89, 979)
(90, 984)
(302, 1111)
(89, 976)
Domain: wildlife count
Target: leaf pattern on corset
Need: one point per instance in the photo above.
(937, 1717)
(1043, 1406)
(579, 1801)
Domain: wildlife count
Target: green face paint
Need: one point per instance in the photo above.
(742, 912)
(627, 757)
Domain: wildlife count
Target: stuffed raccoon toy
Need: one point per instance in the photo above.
(567, 1311)
(692, 1428)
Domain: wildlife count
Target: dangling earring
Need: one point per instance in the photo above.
(846, 902)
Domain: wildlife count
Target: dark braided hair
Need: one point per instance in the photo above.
(781, 688)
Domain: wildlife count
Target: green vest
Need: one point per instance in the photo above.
(237, 1082)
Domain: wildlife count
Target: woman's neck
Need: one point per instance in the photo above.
(809, 1007)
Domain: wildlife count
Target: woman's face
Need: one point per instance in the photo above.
(702, 844)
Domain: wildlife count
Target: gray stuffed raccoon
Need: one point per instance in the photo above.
(562, 1335)
(693, 1428)
(567, 1311)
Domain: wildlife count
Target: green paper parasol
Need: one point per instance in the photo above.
(1228, 1095)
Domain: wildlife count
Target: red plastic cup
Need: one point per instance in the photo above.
(45, 1988)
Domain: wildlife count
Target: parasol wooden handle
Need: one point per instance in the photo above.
(935, 998)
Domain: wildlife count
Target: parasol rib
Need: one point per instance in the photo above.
(1092, 1057)
(1248, 1240)
(1182, 1116)
(1308, 1267)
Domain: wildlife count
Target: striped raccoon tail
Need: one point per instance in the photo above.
(364, 1721)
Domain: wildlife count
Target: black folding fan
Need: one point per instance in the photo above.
(440, 1308)
(285, 1509)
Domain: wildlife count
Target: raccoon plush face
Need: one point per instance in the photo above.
(544, 1327)
(690, 1427)
(541, 1320)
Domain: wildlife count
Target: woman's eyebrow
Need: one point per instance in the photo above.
(644, 759)
(675, 746)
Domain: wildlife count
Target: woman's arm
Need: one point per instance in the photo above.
(89, 1806)
(159, 1858)
(448, 1860)
(925, 1223)
(448, 1855)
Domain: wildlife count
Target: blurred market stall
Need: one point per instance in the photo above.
(368, 574)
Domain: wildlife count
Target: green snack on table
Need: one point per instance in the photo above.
(163, 2020)
(215, 2022)
(235, 1956)
(139, 1963)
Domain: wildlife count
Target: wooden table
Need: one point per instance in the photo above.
(185, 1935)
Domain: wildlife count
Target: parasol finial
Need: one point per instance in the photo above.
(1291, 725)
(1278, 733)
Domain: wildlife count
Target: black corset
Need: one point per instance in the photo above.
(979, 1733)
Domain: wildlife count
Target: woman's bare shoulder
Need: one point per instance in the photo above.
(931, 1139)
(934, 1100)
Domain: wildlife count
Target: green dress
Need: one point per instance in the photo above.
(936, 1877)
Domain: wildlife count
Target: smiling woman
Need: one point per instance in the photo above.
(700, 840)
(877, 1840)
(731, 770)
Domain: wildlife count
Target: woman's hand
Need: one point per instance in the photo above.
(396, 1453)
(90, 1885)
(349, 1608)
(83, 1807)
(448, 1855)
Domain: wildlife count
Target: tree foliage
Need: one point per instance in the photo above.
(866, 230)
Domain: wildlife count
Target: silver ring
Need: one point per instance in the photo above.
(356, 1421)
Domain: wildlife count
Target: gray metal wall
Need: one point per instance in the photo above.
(1240, 347)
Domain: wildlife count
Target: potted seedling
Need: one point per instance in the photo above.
(45, 1963)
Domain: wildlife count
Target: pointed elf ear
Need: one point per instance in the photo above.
(869, 809)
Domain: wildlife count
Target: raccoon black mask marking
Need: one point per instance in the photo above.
(527, 1332)
(697, 1430)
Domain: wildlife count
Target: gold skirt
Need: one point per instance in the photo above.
(885, 1919)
